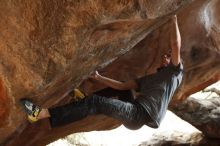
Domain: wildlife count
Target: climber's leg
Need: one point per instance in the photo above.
(132, 115)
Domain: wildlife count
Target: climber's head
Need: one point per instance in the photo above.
(165, 59)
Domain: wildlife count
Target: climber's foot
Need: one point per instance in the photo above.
(31, 109)
(77, 94)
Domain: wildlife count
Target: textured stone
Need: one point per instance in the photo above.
(176, 139)
(204, 114)
(48, 47)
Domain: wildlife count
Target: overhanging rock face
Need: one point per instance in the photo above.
(49, 47)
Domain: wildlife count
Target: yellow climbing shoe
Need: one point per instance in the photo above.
(31, 109)
(32, 119)
(77, 94)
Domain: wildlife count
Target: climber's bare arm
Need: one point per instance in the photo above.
(175, 41)
(114, 83)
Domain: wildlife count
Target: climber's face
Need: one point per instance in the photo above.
(165, 59)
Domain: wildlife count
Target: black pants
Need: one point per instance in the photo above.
(124, 109)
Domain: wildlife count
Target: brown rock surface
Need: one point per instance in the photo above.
(47, 47)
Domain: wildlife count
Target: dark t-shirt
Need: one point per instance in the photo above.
(156, 91)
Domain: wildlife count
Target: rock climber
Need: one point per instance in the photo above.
(148, 108)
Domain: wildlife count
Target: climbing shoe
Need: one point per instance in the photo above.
(77, 94)
(31, 109)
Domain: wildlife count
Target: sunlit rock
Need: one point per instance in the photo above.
(204, 114)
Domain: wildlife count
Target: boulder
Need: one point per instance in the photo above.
(204, 114)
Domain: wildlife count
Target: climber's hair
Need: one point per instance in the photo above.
(167, 54)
